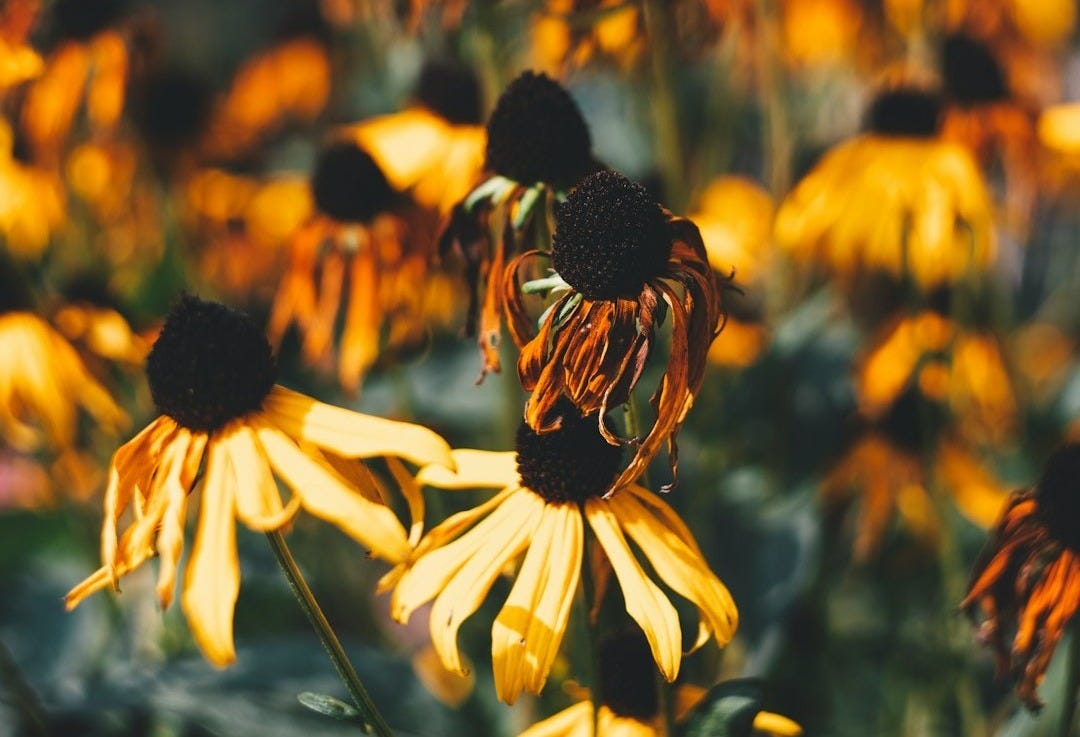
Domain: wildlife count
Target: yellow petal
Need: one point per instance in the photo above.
(682, 569)
(448, 687)
(258, 502)
(776, 725)
(645, 602)
(212, 582)
(175, 485)
(324, 494)
(610, 724)
(476, 469)
(576, 721)
(350, 434)
(414, 497)
(526, 635)
(466, 590)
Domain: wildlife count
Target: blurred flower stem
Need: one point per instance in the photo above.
(373, 719)
(664, 105)
(1072, 681)
(778, 142)
(21, 695)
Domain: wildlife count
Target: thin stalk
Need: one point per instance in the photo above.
(779, 143)
(306, 600)
(664, 105)
(22, 695)
(1072, 682)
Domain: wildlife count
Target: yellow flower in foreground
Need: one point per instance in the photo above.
(896, 199)
(548, 493)
(43, 381)
(211, 373)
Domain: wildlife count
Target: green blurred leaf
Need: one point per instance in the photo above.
(728, 710)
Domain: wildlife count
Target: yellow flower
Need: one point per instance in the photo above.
(571, 32)
(433, 149)
(540, 513)
(820, 32)
(31, 201)
(538, 147)
(211, 374)
(1026, 583)
(622, 265)
(356, 237)
(735, 215)
(896, 199)
(43, 381)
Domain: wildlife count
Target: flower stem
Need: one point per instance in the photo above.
(22, 695)
(1072, 681)
(374, 720)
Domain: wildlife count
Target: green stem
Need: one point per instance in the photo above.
(777, 133)
(1072, 681)
(663, 104)
(329, 639)
(22, 694)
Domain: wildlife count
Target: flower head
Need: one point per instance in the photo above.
(622, 264)
(211, 374)
(1025, 583)
(547, 495)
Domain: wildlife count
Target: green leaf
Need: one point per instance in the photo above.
(728, 710)
(330, 707)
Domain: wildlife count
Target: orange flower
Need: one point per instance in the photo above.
(1025, 586)
(622, 265)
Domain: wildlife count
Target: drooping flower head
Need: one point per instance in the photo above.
(356, 236)
(622, 263)
(538, 147)
(895, 199)
(549, 489)
(1025, 587)
(211, 374)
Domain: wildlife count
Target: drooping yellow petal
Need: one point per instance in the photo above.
(645, 602)
(258, 502)
(526, 635)
(170, 538)
(212, 581)
(414, 497)
(682, 569)
(776, 725)
(576, 721)
(610, 724)
(475, 469)
(324, 494)
(350, 434)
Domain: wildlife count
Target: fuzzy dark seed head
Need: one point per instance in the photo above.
(972, 74)
(610, 237)
(209, 365)
(1058, 493)
(628, 676)
(348, 185)
(571, 464)
(450, 89)
(905, 112)
(536, 134)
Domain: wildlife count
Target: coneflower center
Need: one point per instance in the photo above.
(209, 365)
(1058, 493)
(972, 74)
(610, 237)
(450, 89)
(536, 134)
(627, 683)
(348, 185)
(571, 464)
(905, 112)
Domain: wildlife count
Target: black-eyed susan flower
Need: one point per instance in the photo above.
(433, 149)
(538, 147)
(896, 199)
(211, 375)
(355, 237)
(88, 66)
(549, 491)
(1025, 586)
(623, 264)
(629, 700)
(43, 381)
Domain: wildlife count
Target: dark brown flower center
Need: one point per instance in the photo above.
(536, 134)
(627, 683)
(571, 464)
(450, 89)
(209, 365)
(348, 185)
(972, 74)
(610, 237)
(1058, 493)
(905, 112)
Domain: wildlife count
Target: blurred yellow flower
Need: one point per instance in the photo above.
(820, 32)
(211, 374)
(568, 33)
(32, 206)
(896, 199)
(548, 492)
(43, 381)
